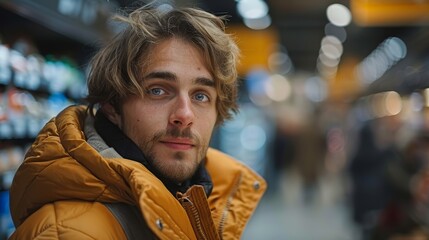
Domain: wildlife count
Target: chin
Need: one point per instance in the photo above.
(177, 170)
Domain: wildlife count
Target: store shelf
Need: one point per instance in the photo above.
(83, 21)
(44, 50)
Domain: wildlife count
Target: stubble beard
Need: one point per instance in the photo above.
(179, 168)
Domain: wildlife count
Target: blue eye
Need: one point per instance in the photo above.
(156, 91)
(201, 97)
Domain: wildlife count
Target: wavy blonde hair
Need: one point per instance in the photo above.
(115, 69)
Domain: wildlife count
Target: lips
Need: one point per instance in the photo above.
(178, 144)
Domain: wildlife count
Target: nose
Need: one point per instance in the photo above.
(182, 114)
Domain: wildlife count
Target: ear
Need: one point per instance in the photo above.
(111, 114)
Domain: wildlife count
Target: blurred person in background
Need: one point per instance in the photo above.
(135, 163)
(376, 148)
(406, 214)
(309, 159)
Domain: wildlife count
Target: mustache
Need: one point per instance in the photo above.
(175, 132)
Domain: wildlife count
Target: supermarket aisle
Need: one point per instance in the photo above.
(291, 214)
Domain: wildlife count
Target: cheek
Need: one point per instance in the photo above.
(207, 125)
(136, 123)
(139, 130)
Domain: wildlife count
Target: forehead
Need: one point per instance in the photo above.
(175, 48)
(177, 56)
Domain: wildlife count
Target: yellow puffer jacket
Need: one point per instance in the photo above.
(57, 193)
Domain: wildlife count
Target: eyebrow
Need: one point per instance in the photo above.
(172, 77)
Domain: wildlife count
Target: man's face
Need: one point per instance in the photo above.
(173, 123)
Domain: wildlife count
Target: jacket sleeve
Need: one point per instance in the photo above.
(70, 220)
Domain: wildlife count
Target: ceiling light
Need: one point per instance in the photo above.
(381, 59)
(331, 47)
(258, 23)
(327, 61)
(396, 48)
(338, 32)
(339, 15)
(252, 9)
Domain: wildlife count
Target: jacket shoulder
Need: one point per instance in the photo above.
(70, 220)
(218, 163)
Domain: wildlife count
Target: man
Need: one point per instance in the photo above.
(140, 150)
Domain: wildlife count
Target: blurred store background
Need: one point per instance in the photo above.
(334, 105)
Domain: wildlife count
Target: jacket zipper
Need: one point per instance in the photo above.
(195, 203)
(227, 206)
(194, 212)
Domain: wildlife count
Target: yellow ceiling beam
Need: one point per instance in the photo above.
(390, 12)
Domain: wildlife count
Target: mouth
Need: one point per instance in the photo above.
(178, 144)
